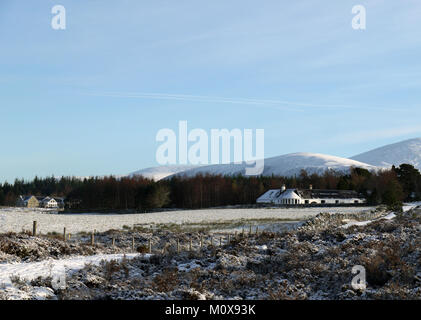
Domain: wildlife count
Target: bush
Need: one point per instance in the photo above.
(166, 281)
(142, 249)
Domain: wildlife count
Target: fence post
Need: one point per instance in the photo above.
(229, 238)
(211, 241)
(70, 236)
(34, 229)
(132, 243)
(257, 230)
(113, 241)
(201, 242)
(220, 241)
(250, 231)
(150, 245)
(64, 234)
(190, 245)
(92, 238)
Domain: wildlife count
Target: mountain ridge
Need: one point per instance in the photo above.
(284, 165)
(406, 151)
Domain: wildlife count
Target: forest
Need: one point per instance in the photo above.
(391, 187)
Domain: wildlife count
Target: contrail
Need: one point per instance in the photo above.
(183, 97)
(281, 104)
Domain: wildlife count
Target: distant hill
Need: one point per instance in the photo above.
(285, 165)
(158, 173)
(408, 151)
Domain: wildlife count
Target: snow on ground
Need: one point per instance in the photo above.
(16, 219)
(32, 270)
(410, 205)
(390, 216)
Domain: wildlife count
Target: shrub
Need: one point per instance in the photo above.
(110, 268)
(166, 281)
(142, 249)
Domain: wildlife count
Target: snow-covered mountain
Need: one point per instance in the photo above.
(158, 173)
(408, 151)
(285, 165)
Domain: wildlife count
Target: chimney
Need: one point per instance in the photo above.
(311, 187)
(283, 188)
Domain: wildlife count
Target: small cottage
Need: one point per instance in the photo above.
(27, 201)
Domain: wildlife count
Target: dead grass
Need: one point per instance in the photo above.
(166, 281)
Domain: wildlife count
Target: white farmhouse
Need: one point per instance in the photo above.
(48, 202)
(309, 196)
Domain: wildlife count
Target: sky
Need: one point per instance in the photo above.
(90, 99)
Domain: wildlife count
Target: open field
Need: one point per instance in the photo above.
(314, 261)
(18, 219)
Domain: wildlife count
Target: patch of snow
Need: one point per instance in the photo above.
(356, 223)
(262, 247)
(390, 216)
(410, 205)
(188, 266)
(42, 293)
(32, 270)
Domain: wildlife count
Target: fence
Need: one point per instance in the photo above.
(189, 245)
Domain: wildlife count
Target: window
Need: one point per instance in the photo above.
(307, 201)
(323, 201)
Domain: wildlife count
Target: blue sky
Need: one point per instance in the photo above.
(90, 99)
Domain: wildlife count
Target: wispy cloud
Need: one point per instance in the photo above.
(277, 104)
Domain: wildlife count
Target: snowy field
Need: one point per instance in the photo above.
(16, 219)
(48, 268)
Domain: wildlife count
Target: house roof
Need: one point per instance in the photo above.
(41, 198)
(290, 194)
(328, 194)
(269, 195)
(26, 198)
